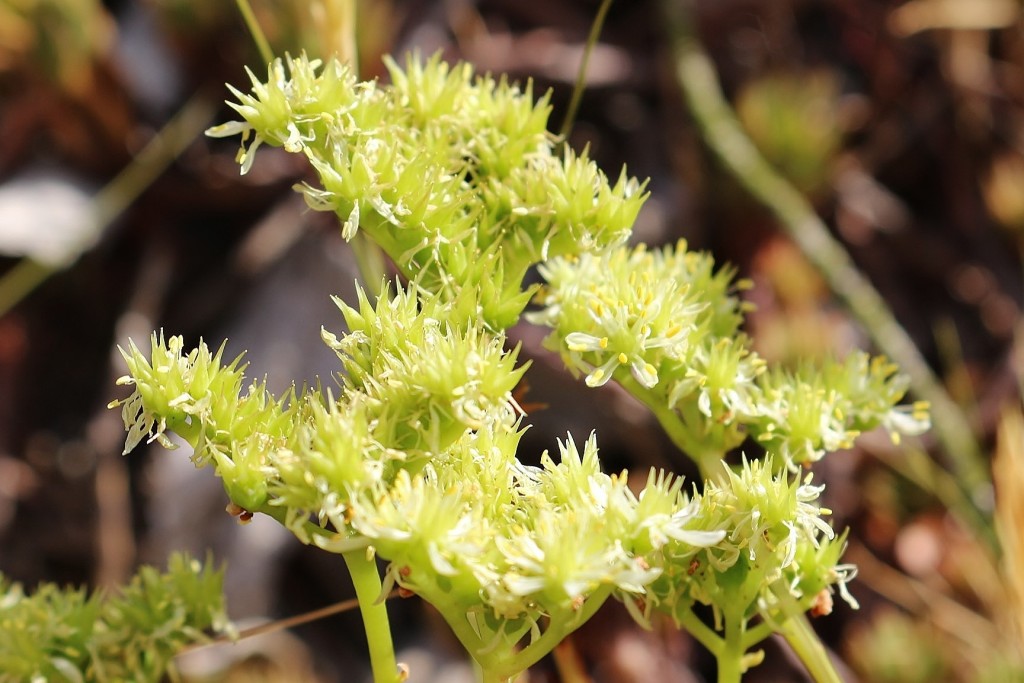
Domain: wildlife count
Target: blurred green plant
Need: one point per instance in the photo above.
(56, 38)
(794, 120)
(999, 189)
(63, 634)
(897, 649)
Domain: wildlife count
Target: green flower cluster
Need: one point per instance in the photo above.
(414, 460)
(454, 175)
(666, 325)
(416, 463)
(415, 384)
(778, 533)
(60, 634)
(417, 460)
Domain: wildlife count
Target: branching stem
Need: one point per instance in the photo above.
(722, 132)
(707, 458)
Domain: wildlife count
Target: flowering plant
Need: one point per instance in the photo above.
(413, 458)
(63, 634)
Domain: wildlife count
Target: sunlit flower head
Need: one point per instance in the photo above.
(627, 310)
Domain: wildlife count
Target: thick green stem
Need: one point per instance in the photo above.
(797, 631)
(801, 637)
(499, 662)
(367, 583)
(730, 658)
(724, 135)
(486, 676)
(755, 634)
(366, 580)
(704, 634)
(556, 632)
(707, 458)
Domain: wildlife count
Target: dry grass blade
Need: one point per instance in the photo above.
(282, 624)
(1008, 475)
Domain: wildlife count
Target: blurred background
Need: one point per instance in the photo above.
(901, 122)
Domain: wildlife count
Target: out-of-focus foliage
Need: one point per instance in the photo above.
(896, 649)
(311, 26)
(62, 634)
(793, 118)
(1002, 190)
(58, 38)
(1008, 474)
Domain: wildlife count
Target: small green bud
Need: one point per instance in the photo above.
(243, 472)
(628, 310)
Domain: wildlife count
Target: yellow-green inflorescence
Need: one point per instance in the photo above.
(454, 175)
(666, 324)
(411, 457)
(61, 634)
(429, 480)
